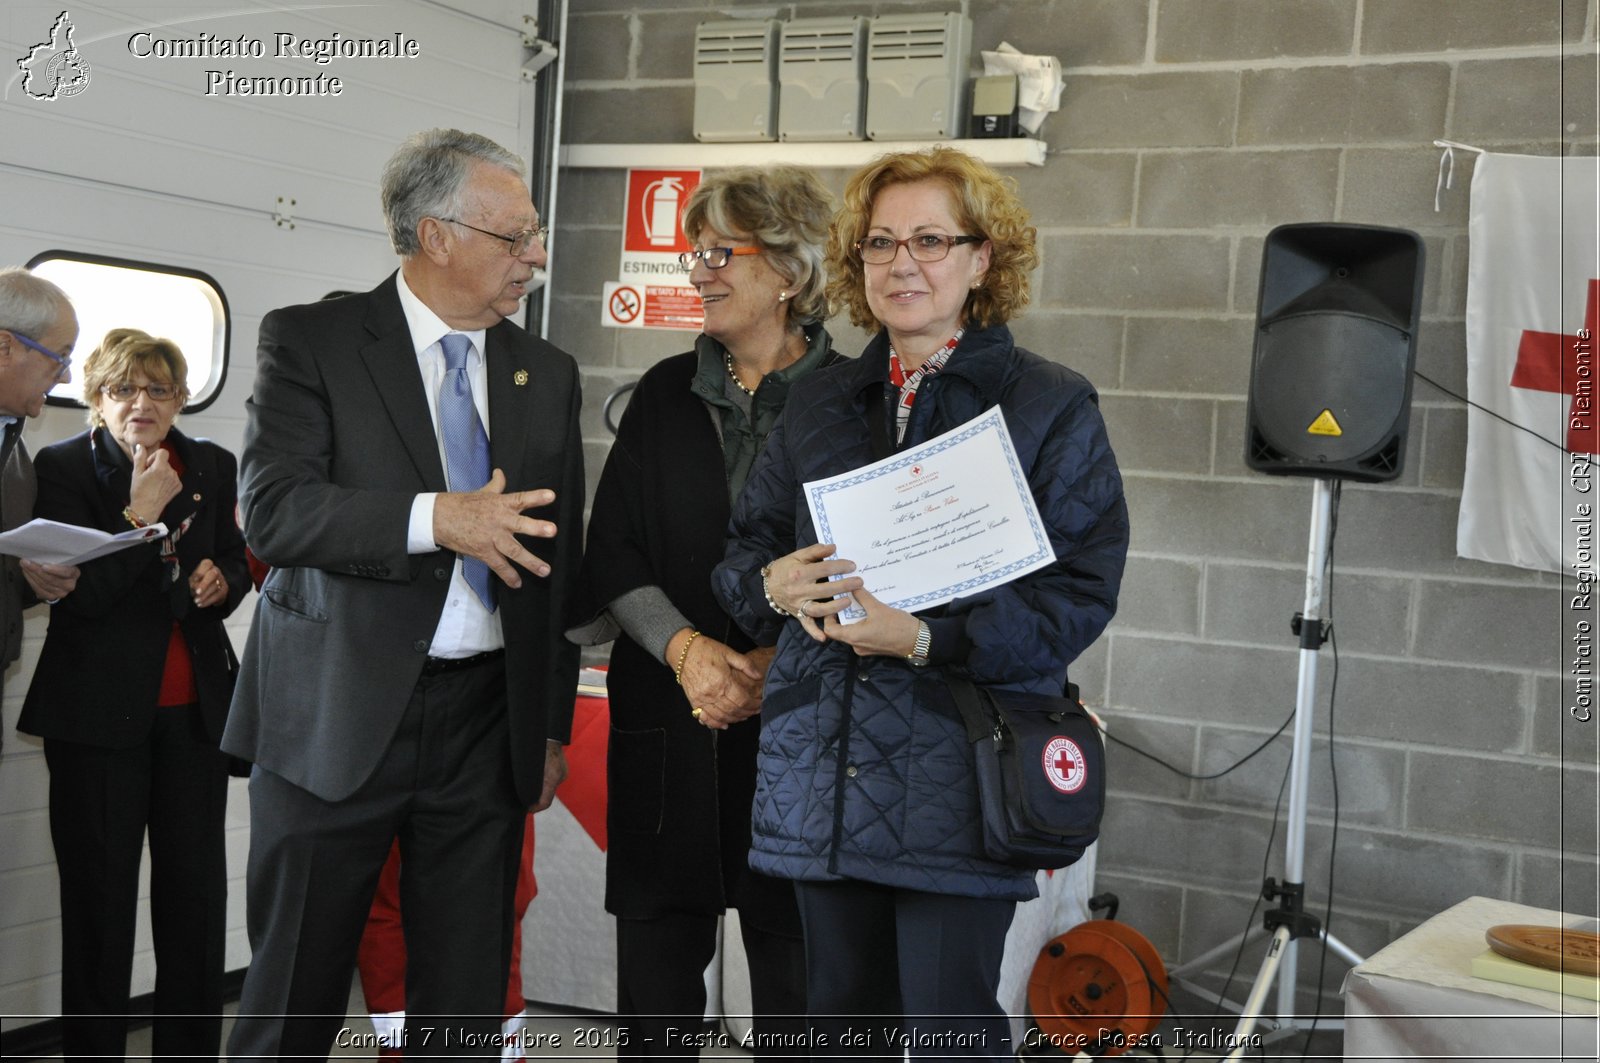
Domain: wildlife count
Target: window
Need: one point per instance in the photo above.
(183, 305)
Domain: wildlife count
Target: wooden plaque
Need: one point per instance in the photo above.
(1576, 951)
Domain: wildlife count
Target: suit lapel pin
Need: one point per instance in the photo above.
(520, 378)
(197, 496)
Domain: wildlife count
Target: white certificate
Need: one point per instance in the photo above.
(945, 519)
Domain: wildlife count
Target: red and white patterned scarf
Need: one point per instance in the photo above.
(909, 382)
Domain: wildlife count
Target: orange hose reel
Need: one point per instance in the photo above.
(1099, 989)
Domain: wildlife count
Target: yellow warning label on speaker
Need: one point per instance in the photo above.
(1325, 425)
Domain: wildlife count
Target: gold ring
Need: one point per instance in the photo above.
(695, 713)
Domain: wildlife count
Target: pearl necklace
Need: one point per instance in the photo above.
(727, 357)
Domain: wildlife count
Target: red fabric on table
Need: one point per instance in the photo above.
(584, 791)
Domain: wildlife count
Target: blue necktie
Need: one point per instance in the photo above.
(466, 447)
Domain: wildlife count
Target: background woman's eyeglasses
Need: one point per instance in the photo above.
(713, 257)
(125, 392)
(924, 247)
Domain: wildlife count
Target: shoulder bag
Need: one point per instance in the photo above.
(1041, 773)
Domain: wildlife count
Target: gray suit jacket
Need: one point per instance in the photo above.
(337, 445)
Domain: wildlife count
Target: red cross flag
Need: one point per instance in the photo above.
(1533, 311)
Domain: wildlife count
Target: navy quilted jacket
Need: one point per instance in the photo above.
(864, 771)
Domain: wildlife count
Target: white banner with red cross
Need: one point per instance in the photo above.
(1533, 308)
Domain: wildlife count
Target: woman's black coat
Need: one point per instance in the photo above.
(99, 675)
(678, 793)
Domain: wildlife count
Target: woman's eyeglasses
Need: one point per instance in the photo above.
(924, 247)
(125, 392)
(713, 257)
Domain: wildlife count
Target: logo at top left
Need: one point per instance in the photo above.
(55, 68)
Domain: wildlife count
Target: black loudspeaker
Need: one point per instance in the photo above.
(1336, 340)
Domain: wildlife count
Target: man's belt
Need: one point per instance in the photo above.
(441, 665)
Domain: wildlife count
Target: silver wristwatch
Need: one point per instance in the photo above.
(919, 653)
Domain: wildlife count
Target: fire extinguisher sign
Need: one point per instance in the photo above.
(653, 235)
(652, 291)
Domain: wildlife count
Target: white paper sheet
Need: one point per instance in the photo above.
(949, 518)
(54, 543)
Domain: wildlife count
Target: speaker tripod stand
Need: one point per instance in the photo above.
(1288, 922)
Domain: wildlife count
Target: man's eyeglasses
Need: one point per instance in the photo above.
(924, 247)
(64, 361)
(713, 257)
(125, 392)
(519, 240)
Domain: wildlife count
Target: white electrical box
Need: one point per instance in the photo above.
(822, 66)
(917, 76)
(735, 80)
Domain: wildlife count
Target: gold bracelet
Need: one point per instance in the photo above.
(683, 656)
(133, 518)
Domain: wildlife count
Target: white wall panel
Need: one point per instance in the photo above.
(142, 165)
(157, 130)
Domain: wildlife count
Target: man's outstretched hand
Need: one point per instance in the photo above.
(485, 523)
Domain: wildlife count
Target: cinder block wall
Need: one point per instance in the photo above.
(1189, 128)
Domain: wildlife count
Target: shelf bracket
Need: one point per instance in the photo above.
(541, 52)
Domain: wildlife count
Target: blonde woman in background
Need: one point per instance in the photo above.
(130, 696)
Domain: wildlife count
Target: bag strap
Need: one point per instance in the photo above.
(980, 725)
(881, 422)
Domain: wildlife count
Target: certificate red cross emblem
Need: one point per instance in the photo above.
(1552, 361)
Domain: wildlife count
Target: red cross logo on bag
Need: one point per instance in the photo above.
(1064, 765)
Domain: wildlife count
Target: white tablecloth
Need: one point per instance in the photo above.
(1417, 998)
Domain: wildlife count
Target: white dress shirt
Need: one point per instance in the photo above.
(465, 626)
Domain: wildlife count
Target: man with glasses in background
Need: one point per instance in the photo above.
(37, 331)
(406, 675)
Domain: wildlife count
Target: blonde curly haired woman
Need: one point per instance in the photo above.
(866, 795)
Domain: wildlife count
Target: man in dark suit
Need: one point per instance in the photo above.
(406, 674)
(37, 331)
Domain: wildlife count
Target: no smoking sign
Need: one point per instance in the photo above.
(651, 306)
(623, 304)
